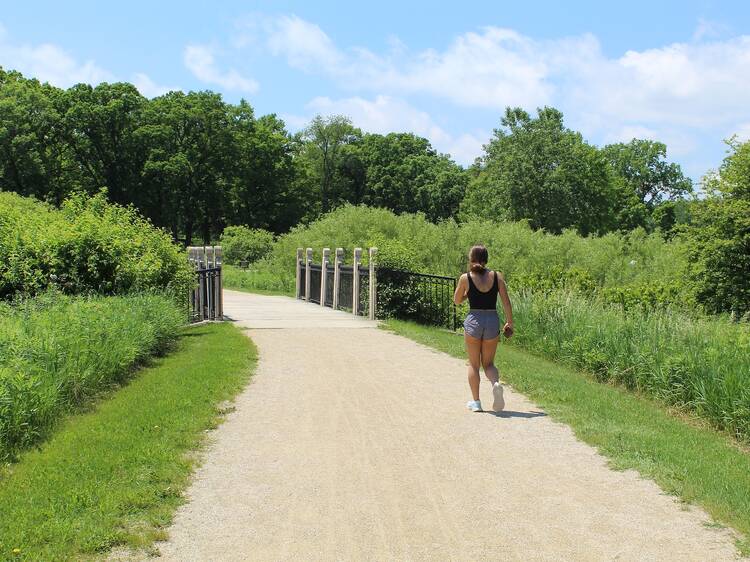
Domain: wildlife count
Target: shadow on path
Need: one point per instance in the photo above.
(513, 414)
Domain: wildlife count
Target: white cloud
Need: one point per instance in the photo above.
(199, 59)
(49, 63)
(709, 29)
(148, 87)
(386, 114)
(698, 84)
(303, 43)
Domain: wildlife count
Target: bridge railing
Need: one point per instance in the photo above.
(206, 299)
(375, 292)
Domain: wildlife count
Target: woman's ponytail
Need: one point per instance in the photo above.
(478, 258)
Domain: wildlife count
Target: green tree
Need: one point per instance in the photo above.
(190, 152)
(645, 180)
(33, 161)
(402, 172)
(536, 169)
(98, 125)
(719, 236)
(325, 139)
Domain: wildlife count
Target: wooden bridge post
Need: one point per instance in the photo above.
(355, 280)
(373, 284)
(337, 276)
(308, 261)
(219, 283)
(297, 284)
(324, 275)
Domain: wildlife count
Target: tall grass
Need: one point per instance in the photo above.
(256, 280)
(57, 351)
(701, 364)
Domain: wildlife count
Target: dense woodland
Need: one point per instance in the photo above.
(194, 165)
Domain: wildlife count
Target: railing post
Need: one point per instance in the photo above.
(308, 261)
(218, 255)
(297, 284)
(373, 284)
(355, 280)
(338, 258)
(324, 275)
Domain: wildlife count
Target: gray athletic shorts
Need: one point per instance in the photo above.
(482, 324)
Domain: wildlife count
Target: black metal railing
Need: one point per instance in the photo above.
(346, 286)
(205, 297)
(302, 279)
(421, 297)
(315, 275)
(329, 285)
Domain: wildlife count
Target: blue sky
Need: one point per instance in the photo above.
(678, 72)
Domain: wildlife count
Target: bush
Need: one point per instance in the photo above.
(57, 351)
(88, 246)
(644, 266)
(240, 243)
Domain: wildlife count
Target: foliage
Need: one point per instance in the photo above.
(88, 245)
(56, 352)
(719, 237)
(240, 243)
(256, 280)
(114, 476)
(537, 170)
(633, 269)
(645, 179)
(700, 364)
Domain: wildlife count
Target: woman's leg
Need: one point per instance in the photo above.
(488, 360)
(473, 350)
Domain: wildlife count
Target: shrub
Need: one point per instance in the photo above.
(88, 246)
(240, 243)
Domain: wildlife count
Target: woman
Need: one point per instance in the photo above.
(482, 325)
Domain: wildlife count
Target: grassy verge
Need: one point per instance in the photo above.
(58, 352)
(256, 280)
(114, 476)
(696, 463)
(700, 364)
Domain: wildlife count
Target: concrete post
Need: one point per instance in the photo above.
(337, 276)
(297, 284)
(308, 261)
(324, 275)
(355, 280)
(373, 284)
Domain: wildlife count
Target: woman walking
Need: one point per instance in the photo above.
(482, 325)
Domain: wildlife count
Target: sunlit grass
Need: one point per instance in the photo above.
(114, 476)
(57, 352)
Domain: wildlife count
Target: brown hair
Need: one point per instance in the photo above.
(478, 258)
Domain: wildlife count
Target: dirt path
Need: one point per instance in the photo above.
(355, 444)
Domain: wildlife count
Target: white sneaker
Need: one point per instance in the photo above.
(474, 405)
(499, 402)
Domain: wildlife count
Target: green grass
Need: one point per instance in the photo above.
(58, 352)
(687, 459)
(698, 363)
(114, 476)
(256, 280)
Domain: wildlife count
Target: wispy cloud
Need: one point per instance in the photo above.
(200, 61)
(51, 63)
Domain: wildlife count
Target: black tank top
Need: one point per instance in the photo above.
(482, 301)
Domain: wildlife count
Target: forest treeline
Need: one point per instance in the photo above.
(195, 164)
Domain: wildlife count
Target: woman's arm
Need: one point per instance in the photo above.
(507, 308)
(460, 294)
